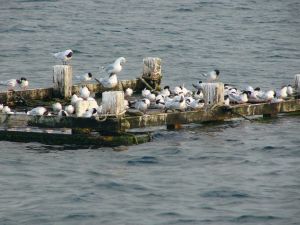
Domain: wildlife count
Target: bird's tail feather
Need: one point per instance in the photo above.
(204, 74)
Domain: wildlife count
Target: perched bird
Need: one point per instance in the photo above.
(177, 90)
(109, 82)
(57, 107)
(290, 90)
(6, 110)
(198, 85)
(151, 97)
(141, 105)
(12, 83)
(74, 99)
(84, 93)
(236, 98)
(85, 77)
(159, 104)
(282, 93)
(70, 109)
(267, 96)
(176, 105)
(198, 94)
(166, 91)
(145, 92)
(64, 56)
(212, 76)
(226, 100)
(62, 113)
(115, 67)
(128, 92)
(90, 112)
(197, 104)
(38, 111)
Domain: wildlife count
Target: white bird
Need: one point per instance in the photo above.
(184, 90)
(198, 85)
(282, 93)
(177, 90)
(141, 105)
(197, 104)
(178, 105)
(74, 99)
(109, 82)
(151, 97)
(198, 94)
(267, 96)
(64, 56)
(236, 98)
(70, 109)
(166, 91)
(6, 110)
(115, 67)
(226, 100)
(290, 90)
(63, 113)
(57, 107)
(84, 93)
(90, 112)
(128, 92)
(38, 111)
(85, 77)
(159, 104)
(145, 92)
(12, 83)
(212, 76)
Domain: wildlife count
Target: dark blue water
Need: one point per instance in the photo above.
(237, 172)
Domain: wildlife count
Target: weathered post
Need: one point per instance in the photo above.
(62, 80)
(152, 73)
(113, 102)
(297, 85)
(213, 93)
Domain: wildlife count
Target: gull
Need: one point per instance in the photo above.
(166, 91)
(84, 93)
(267, 96)
(151, 97)
(70, 109)
(63, 113)
(57, 107)
(159, 104)
(282, 93)
(176, 105)
(236, 98)
(226, 100)
(90, 112)
(38, 111)
(85, 77)
(197, 104)
(115, 67)
(141, 105)
(290, 90)
(6, 110)
(74, 99)
(12, 83)
(212, 76)
(145, 92)
(198, 94)
(64, 56)
(109, 82)
(198, 85)
(128, 92)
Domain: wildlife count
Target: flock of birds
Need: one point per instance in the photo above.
(178, 98)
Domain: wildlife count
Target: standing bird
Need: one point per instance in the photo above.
(112, 69)
(212, 76)
(115, 67)
(12, 83)
(85, 77)
(64, 56)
